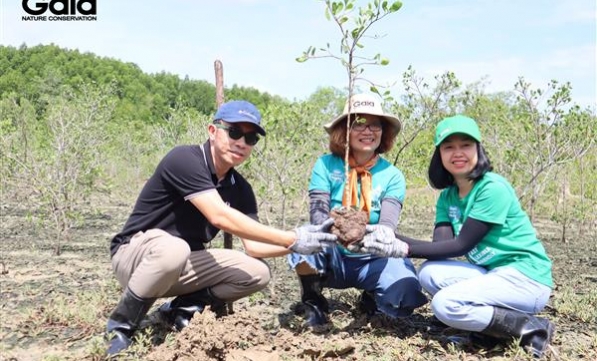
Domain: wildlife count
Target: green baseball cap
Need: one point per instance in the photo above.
(456, 124)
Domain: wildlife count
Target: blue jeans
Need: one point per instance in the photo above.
(392, 281)
(464, 294)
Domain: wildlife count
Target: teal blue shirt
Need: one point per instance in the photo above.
(328, 176)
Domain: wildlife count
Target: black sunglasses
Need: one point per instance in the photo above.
(251, 138)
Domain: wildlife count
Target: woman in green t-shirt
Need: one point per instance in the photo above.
(506, 279)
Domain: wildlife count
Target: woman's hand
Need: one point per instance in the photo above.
(381, 241)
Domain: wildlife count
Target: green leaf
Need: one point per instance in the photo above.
(396, 6)
(384, 61)
(337, 7)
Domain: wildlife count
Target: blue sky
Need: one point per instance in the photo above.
(258, 41)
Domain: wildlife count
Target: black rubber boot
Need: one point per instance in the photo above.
(316, 306)
(537, 343)
(484, 341)
(534, 333)
(125, 320)
(367, 303)
(180, 310)
(434, 321)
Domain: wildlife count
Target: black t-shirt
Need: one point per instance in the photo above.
(164, 200)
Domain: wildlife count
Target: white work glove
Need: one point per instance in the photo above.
(312, 239)
(379, 232)
(381, 241)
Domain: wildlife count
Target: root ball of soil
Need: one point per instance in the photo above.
(349, 225)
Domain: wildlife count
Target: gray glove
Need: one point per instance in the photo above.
(381, 242)
(379, 232)
(312, 239)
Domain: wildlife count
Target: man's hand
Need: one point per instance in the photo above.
(313, 239)
(381, 242)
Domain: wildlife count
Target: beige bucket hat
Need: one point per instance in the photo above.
(365, 104)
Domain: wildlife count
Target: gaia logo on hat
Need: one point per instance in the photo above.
(365, 104)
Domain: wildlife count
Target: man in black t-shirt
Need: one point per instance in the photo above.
(193, 194)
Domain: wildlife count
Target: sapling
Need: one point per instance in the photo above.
(354, 24)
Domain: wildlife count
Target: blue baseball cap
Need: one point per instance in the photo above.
(237, 111)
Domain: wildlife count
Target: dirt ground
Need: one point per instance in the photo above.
(55, 308)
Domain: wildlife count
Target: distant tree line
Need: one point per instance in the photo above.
(35, 72)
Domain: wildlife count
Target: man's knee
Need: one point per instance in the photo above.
(172, 256)
(262, 275)
(253, 275)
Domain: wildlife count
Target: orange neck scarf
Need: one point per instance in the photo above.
(366, 185)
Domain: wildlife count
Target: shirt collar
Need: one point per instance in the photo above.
(209, 160)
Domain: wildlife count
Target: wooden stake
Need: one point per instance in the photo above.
(219, 69)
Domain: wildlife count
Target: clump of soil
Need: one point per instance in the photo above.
(249, 335)
(349, 225)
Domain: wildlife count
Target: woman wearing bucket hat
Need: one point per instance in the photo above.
(507, 279)
(389, 285)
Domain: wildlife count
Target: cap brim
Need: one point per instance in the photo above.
(393, 121)
(440, 140)
(260, 130)
(457, 131)
(258, 127)
(328, 127)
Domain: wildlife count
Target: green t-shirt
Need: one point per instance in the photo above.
(511, 241)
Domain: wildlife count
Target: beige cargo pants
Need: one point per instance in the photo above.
(156, 264)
